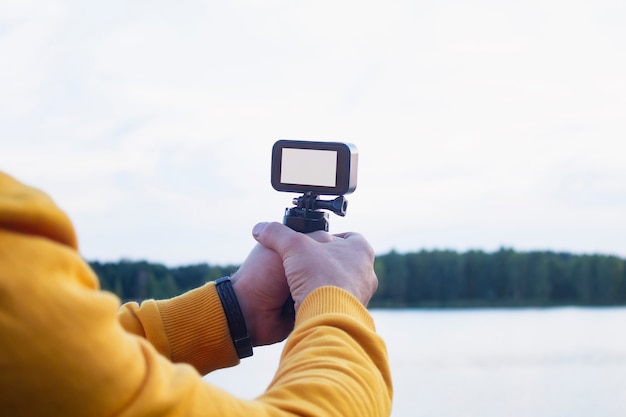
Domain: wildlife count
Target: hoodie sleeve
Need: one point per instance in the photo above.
(67, 348)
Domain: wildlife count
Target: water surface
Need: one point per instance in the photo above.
(568, 362)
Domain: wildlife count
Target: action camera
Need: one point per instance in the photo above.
(322, 168)
(314, 169)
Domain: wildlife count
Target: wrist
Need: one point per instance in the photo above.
(249, 315)
(332, 300)
(235, 317)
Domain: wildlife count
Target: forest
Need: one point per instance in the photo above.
(424, 279)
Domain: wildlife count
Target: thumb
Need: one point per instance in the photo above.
(276, 237)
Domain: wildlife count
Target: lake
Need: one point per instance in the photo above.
(566, 362)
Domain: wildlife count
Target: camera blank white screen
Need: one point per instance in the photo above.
(308, 167)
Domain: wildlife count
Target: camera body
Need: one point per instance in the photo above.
(321, 168)
(314, 169)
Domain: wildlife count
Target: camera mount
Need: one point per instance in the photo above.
(306, 217)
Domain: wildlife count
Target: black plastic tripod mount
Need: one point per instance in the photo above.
(306, 217)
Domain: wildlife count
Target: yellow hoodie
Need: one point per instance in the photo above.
(69, 349)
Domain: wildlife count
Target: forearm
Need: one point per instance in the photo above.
(66, 348)
(334, 363)
(78, 360)
(190, 328)
(333, 354)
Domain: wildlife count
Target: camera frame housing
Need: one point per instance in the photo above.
(345, 168)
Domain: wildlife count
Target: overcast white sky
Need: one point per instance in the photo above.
(479, 123)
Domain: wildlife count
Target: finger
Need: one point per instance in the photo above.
(351, 236)
(346, 235)
(278, 237)
(321, 236)
(357, 239)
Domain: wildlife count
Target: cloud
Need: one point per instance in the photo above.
(151, 123)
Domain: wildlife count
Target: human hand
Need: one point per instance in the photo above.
(319, 259)
(261, 289)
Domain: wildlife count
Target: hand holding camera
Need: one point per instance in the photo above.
(288, 264)
(320, 259)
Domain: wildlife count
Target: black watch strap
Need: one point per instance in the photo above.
(234, 317)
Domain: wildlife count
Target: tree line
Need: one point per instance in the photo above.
(426, 279)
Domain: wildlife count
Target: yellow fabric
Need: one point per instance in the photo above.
(69, 349)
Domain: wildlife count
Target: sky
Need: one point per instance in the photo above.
(479, 124)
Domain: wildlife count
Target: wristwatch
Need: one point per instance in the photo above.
(234, 317)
